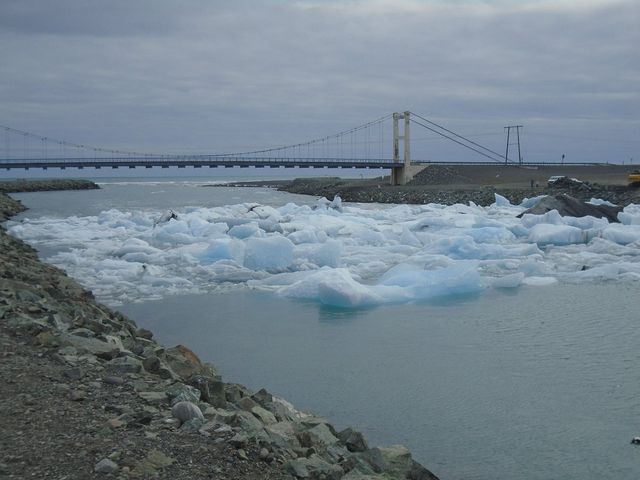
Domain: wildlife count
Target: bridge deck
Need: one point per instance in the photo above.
(230, 162)
(195, 162)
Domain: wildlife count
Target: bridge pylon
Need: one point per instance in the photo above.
(400, 174)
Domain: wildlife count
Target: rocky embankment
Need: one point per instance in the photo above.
(46, 185)
(367, 191)
(87, 394)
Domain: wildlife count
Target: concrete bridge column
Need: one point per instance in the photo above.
(401, 174)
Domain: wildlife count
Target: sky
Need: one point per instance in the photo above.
(223, 76)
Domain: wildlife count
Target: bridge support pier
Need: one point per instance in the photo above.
(401, 174)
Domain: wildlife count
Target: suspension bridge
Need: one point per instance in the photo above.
(364, 146)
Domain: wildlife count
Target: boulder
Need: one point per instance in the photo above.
(568, 206)
(320, 435)
(185, 363)
(153, 398)
(151, 364)
(282, 434)
(246, 403)
(211, 390)
(179, 392)
(314, 468)
(353, 440)
(246, 421)
(234, 392)
(185, 411)
(418, 472)
(263, 397)
(144, 333)
(374, 458)
(264, 415)
(105, 466)
(398, 460)
(122, 365)
(91, 345)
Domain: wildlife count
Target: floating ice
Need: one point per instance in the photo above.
(598, 201)
(343, 255)
(271, 254)
(552, 234)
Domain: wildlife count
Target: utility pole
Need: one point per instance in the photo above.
(506, 155)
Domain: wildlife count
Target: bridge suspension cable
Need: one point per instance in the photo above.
(482, 150)
(46, 141)
(323, 142)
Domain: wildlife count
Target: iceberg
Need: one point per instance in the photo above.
(337, 254)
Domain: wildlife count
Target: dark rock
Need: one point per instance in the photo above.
(263, 397)
(568, 206)
(247, 403)
(374, 458)
(141, 418)
(235, 392)
(137, 349)
(144, 333)
(211, 390)
(113, 380)
(418, 472)
(353, 440)
(264, 454)
(239, 440)
(72, 373)
(151, 364)
(123, 365)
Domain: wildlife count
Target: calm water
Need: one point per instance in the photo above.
(541, 383)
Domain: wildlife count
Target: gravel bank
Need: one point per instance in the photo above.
(449, 185)
(87, 394)
(45, 185)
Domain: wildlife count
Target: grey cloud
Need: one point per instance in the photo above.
(201, 74)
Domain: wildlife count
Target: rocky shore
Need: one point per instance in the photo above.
(366, 191)
(87, 394)
(472, 183)
(46, 185)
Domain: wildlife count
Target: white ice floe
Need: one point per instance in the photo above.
(343, 255)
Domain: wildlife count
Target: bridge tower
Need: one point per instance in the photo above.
(400, 174)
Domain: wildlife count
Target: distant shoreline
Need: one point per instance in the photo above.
(468, 183)
(15, 186)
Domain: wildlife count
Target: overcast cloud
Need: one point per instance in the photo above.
(218, 76)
